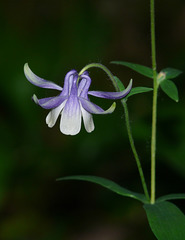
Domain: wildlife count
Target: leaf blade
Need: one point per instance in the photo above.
(170, 89)
(119, 83)
(166, 220)
(114, 187)
(146, 71)
(171, 73)
(133, 91)
(138, 90)
(171, 197)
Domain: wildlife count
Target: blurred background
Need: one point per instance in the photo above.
(55, 37)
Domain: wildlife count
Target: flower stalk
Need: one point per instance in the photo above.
(131, 140)
(101, 66)
(110, 75)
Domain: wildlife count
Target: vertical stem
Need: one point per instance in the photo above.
(134, 149)
(154, 111)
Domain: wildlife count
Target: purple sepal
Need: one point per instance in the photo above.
(49, 103)
(95, 109)
(39, 82)
(112, 95)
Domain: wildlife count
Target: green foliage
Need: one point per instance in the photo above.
(166, 84)
(163, 79)
(109, 185)
(171, 197)
(170, 89)
(137, 90)
(171, 73)
(166, 221)
(133, 91)
(146, 71)
(119, 83)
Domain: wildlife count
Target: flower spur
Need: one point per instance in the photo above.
(73, 102)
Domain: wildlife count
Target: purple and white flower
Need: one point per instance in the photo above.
(73, 102)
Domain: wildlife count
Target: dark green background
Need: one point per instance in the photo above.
(55, 37)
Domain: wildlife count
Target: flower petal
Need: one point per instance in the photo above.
(70, 123)
(49, 103)
(112, 95)
(87, 119)
(68, 82)
(93, 108)
(83, 86)
(40, 82)
(52, 116)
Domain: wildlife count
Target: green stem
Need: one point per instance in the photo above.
(127, 123)
(154, 111)
(134, 149)
(101, 66)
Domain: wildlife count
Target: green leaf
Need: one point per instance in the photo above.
(171, 72)
(109, 185)
(170, 89)
(171, 197)
(146, 71)
(119, 83)
(137, 90)
(133, 91)
(166, 221)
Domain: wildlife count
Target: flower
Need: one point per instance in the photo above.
(73, 102)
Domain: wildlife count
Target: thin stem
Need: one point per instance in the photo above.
(154, 111)
(101, 66)
(134, 149)
(126, 120)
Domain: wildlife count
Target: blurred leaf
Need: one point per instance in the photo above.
(109, 185)
(171, 72)
(166, 221)
(119, 83)
(137, 90)
(133, 91)
(146, 71)
(170, 89)
(171, 197)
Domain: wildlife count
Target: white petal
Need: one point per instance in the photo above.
(53, 115)
(88, 120)
(70, 123)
